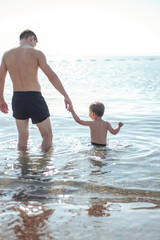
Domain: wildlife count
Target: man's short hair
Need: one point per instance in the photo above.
(97, 108)
(27, 33)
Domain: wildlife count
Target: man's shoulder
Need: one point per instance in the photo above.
(39, 53)
(8, 52)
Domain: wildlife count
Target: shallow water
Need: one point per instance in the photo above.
(77, 191)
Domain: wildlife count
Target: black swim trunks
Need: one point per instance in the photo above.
(98, 144)
(30, 104)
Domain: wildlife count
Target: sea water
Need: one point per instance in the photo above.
(77, 191)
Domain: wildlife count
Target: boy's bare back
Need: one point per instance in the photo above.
(98, 129)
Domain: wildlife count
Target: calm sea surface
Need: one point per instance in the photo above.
(77, 191)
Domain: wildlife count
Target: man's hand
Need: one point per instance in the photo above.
(3, 107)
(68, 104)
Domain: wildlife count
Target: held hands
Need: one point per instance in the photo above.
(3, 107)
(68, 104)
(120, 124)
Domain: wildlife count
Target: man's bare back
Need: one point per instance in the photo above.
(22, 64)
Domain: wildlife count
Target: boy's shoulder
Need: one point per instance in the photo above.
(102, 122)
(105, 122)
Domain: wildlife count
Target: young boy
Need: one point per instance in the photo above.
(98, 127)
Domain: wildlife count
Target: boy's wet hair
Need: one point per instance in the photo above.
(27, 33)
(97, 108)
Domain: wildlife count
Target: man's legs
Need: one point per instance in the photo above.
(23, 132)
(46, 133)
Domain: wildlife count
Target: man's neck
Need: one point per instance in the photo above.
(25, 44)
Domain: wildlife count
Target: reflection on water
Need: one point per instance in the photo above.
(25, 220)
(32, 221)
(98, 210)
(47, 203)
(36, 166)
(49, 198)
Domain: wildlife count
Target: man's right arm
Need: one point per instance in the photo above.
(3, 72)
(53, 78)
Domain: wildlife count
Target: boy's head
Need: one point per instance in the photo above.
(97, 108)
(26, 34)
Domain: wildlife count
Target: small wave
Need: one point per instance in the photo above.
(40, 190)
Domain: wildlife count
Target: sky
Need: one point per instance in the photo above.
(83, 27)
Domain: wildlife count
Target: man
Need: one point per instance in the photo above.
(22, 63)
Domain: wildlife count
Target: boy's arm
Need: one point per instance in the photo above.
(53, 78)
(114, 131)
(78, 120)
(3, 72)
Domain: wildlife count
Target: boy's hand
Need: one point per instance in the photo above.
(120, 124)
